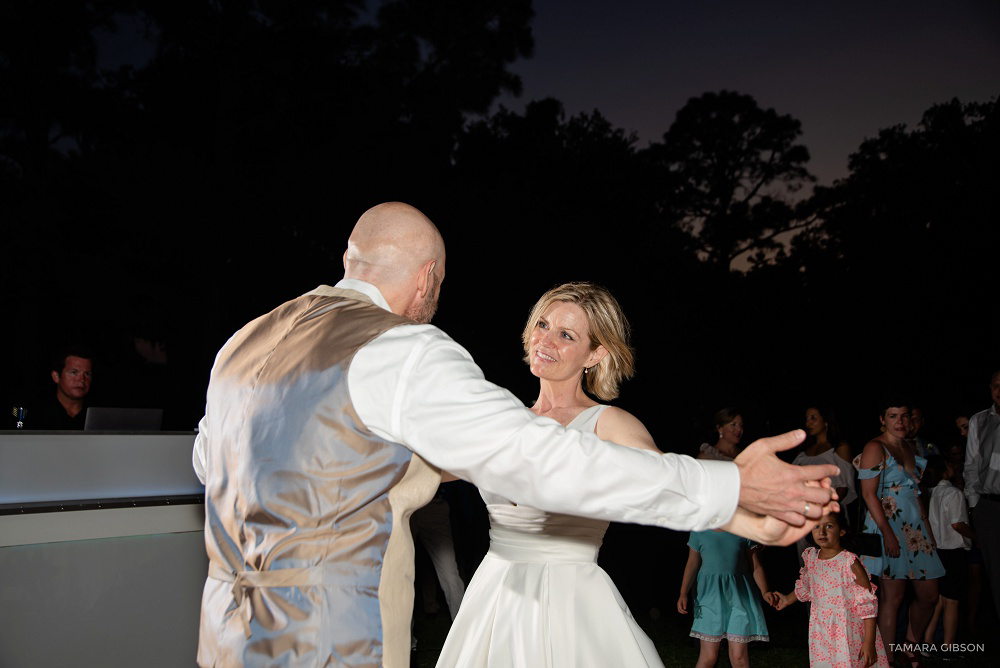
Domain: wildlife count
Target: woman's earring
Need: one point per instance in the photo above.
(586, 369)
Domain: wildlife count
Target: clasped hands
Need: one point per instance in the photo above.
(778, 502)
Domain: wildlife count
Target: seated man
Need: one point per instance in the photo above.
(72, 370)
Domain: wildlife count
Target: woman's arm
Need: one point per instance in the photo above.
(624, 428)
(871, 457)
(844, 452)
(690, 570)
(927, 525)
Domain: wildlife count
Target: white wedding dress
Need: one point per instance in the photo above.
(539, 599)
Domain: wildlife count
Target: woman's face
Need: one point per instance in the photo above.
(732, 431)
(559, 347)
(815, 424)
(962, 423)
(896, 421)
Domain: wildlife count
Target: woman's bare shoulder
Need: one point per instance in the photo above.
(872, 452)
(620, 426)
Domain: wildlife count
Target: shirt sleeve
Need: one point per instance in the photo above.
(973, 485)
(694, 541)
(415, 386)
(863, 602)
(803, 592)
(954, 507)
(200, 444)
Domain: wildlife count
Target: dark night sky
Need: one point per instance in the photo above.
(844, 69)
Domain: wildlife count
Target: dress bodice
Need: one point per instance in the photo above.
(896, 475)
(708, 451)
(522, 533)
(898, 490)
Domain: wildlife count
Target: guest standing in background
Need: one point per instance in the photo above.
(949, 518)
(982, 484)
(824, 445)
(890, 475)
(729, 427)
(726, 607)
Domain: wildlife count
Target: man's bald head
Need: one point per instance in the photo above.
(397, 249)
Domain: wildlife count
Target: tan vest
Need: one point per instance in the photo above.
(307, 511)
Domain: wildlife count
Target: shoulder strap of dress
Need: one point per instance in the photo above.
(586, 415)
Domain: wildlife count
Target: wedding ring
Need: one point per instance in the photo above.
(806, 511)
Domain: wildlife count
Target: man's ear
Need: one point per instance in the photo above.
(55, 377)
(345, 260)
(424, 281)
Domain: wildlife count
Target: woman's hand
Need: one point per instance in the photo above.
(682, 604)
(772, 598)
(768, 530)
(891, 543)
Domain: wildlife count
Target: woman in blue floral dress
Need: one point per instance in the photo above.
(889, 472)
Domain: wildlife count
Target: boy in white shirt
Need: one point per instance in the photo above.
(949, 518)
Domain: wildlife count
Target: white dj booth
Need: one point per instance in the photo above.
(102, 554)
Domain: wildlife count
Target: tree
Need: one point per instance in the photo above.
(915, 199)
(902, 262)
(729, 167)
(252, 127)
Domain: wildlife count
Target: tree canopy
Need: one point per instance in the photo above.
(176, 197)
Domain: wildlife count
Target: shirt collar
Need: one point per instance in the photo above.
(366, 289)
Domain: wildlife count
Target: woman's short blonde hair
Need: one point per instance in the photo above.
(608, 328)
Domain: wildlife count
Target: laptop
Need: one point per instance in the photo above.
(123, 419)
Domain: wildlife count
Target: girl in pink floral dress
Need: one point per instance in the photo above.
(842, 619)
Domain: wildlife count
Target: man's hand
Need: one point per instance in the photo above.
(792, 494)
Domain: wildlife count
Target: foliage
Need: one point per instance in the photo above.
(177, 196)
(729, 166)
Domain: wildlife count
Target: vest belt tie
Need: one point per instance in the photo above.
(244, 580)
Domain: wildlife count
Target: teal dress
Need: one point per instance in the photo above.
(917, 560)
(727, 603)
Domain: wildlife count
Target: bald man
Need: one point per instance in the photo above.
(330, 419)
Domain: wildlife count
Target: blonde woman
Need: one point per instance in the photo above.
(539, 595)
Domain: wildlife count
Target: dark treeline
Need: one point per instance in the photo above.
(175, 197)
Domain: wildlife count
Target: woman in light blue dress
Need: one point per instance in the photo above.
(889, 472)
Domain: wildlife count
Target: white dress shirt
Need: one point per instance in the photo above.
(948, 507)
(416, 386)
(982, 455)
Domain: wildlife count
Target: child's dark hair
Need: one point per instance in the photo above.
(934, 471)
